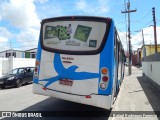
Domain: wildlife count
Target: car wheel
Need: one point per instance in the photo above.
(18, 83)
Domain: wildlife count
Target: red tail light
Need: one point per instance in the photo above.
(36, 69)
(105, 78)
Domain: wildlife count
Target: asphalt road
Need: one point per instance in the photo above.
(136, 94)
(22, 99)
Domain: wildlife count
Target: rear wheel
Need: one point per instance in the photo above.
(18, 83)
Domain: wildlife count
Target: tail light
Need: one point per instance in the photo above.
(104, 71)
(104, 78)
(36, 69)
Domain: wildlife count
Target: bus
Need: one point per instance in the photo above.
(79, 59)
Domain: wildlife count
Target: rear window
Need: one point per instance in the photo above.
(73, 36)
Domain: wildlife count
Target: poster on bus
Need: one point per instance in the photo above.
(73, 35)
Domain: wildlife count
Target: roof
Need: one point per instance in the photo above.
(158, 45)
(17, 50)
(31, 49)
(10, 50)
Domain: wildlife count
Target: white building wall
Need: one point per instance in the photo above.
(23, 62)
(18, 54)
(4, 66)
(151, 69)
(7, 64)
(2, 54)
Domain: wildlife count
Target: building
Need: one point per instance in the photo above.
(139, 54)
(150, 49)
(137, 57)
(31, 53)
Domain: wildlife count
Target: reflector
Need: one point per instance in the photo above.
(103, 86)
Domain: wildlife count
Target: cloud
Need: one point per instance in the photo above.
(3, 39)
(4, 44)
(41, 1)
(5, 35)
(50, 9)
(148, 32)
(137, 40)
(19, 13)
(99, 7)
(28, 38)
(122, 36)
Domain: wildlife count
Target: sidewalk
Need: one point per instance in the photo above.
(137, 94)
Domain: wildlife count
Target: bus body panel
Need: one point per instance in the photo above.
(90, 65)
(101, 101)
(107, 60)
(83, 70)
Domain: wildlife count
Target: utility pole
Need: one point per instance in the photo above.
(10, 57)
(129, 35)
(144, 49)
(154, 27)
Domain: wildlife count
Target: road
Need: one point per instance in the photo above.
(136, 94)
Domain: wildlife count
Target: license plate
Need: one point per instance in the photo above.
(1, 82)
(66, 82)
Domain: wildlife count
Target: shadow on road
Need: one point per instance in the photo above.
(14, 87)
(57, 107)
(151, 93)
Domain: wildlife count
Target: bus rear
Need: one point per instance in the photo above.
(75, 60)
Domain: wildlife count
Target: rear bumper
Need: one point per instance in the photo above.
(100, 101)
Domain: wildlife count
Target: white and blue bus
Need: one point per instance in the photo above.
(79, 59)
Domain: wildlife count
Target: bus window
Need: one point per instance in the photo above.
(73, 36)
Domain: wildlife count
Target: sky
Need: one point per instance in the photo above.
(20, 19)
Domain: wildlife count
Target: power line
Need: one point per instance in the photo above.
(146, 25)
(22, 46)
(20, 41)
(140, 20)
(26, 46)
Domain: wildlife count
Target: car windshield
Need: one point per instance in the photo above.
(16, 71)
(13, 72)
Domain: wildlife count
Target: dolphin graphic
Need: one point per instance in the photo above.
(69, 73)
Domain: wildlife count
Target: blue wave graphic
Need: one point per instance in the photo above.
(68, 73)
